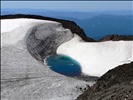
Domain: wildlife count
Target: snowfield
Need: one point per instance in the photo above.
(22, 76)
(25, 78)
(98, 57)
(18, 29)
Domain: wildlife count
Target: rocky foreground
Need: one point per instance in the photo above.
(116, 84)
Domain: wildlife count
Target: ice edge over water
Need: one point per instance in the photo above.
(98, 57)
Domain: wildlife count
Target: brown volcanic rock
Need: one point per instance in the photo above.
(115, 37)
(116, 84)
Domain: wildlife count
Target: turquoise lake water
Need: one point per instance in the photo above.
(64, 65)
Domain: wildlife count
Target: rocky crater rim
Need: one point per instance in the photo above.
(45, 38)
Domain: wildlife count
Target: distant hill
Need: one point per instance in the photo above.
(102, 25)
(49, 13)
(117, 12)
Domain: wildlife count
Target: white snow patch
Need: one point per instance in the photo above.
(13, 30)
(96, 58)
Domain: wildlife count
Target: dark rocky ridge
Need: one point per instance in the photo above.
(115, 37)
(116, 84)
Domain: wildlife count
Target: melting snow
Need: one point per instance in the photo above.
(96, 58)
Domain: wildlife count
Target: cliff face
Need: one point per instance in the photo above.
(116, 84)
(44, 39)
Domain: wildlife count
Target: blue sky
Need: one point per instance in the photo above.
(70, 5)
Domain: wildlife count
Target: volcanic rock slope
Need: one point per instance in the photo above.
(116, 84)
(23, 74)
